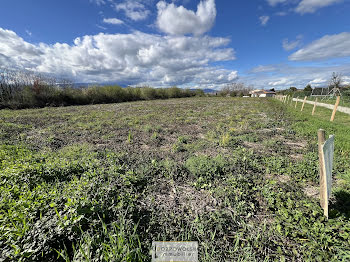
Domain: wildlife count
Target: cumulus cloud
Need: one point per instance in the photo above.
(13, 49)
(264, 19)
(113, 21)
(135, 58)
(311, 6)
(177, 20)
(232, 76)
(329, 46)
(290, 45)
(135, 10)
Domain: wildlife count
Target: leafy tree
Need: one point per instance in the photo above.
(293, 89)
(308, 88)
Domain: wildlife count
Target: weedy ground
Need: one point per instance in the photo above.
(240, 176)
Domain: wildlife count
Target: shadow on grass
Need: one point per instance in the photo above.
(341, 205)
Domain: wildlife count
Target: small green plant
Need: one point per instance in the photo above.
(130, 137)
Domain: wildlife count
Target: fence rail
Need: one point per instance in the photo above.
(289, 100)
(342, 109)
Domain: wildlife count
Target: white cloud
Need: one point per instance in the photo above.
(290, 45)
(282, 82)
(232, 76)
(261, 69)
(135, 58)
(177, 20)
(311, 6)
(133, 9)
(329, 46)
(14, 50)
(264, 19)
(318, 82)
(98, 2)
(113, 21)
(275, 2)
(346, 80)
(286, 75)
(29, 33)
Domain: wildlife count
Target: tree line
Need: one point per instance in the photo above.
(19, 89)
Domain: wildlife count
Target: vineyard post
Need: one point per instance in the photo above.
(314, 109)
(296, 102)
(335, 108)
(321, 140)
(302, 107)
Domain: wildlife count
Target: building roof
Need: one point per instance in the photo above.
(260, 91)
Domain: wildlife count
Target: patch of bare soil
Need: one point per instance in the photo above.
(311, 191)
(254, 146)
(181, 199)
(280, 178)
(296, 145)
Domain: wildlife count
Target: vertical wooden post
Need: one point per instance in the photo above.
(296, 102)
(335, 108)
(323, 188)
(314, 109)
(302, 107)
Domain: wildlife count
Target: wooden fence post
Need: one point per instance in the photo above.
(335, 108)
(323, 193)
(296, 102)
(302, 107)
(314, 109)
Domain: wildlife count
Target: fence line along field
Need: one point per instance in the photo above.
(240, 176)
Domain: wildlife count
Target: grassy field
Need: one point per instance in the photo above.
(240, 176)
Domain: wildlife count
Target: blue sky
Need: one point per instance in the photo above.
(188, 43)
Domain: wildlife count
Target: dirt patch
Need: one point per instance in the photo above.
(182, 198)
(255, 146)
(283, 178)
(296, 145)
(280, 178)
(311, 191)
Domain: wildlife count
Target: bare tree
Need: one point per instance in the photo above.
(335, 85)
(336, 80)
(236, 89)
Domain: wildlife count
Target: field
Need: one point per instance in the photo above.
(240, 176)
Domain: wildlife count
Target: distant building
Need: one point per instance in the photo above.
(320, 91)
(262, 93)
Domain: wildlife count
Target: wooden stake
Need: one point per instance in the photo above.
(323, 188)
(335, 108)
(302, 107)
(296, 102)
(314, 109)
